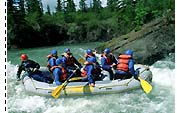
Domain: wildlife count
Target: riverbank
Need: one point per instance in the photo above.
(151, 43)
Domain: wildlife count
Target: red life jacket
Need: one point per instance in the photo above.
(83, 73)
(108, 59)
(64, 74)
(95, 71)
(123, 62)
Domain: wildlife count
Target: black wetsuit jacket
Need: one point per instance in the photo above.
(27, 65)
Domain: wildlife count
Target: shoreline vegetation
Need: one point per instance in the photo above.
(28, 26)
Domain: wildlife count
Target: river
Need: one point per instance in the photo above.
(160, 100)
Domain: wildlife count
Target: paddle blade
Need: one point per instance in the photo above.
(81, 60)
(57, 91)
(145, 85)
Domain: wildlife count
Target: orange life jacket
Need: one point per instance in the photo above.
(108, 59)
(64, 74)
(123, 63)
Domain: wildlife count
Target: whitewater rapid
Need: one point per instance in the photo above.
(160, 100)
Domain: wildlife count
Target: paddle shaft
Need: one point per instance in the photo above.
(57, 91)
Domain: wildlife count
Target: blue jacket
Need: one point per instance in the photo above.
(52, 62)
(131, 67)
(90, 69)
(57, 72)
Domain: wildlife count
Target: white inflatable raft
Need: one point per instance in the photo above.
(82, 88)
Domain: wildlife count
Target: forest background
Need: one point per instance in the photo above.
(29, 26)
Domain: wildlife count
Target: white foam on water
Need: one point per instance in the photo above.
(71, 106)
(29, 104)
(11, 70)
(162, 74)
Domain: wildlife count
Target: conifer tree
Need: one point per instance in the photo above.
(96, 5)
(34, 6)
(59, 6)
(70, 7)
(82, 5)
(48, 10)
(112, 4)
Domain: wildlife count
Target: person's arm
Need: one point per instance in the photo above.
(20, 69)
(33, 64)
(104, 64)
(114, 60)
(131, 67)
(64, 60)
(37, 66)
(49, 56)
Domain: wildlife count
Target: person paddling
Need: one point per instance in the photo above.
(125, 67)
(32, 70)
(108, 61)
(59, 72)
(89, 53)
(51, 59)
(91, 70)
(70, 62)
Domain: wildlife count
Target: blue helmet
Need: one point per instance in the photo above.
(54, 52)
(129, 52)
(89, 51)
(58, 61)
(91, 60)
(66, 50)
(107, 50)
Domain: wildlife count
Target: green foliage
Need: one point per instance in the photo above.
(82, 5)
(86, 24)
(72, 28)
(58, 18)
(96, 5)
(93, 24)
(32, 20)
(140, 12)
(81, 17)
(106, 14)
(59, 6)
(112, 4)
(48, 10)
(70, 7)
(34, 6)
(69, 17)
